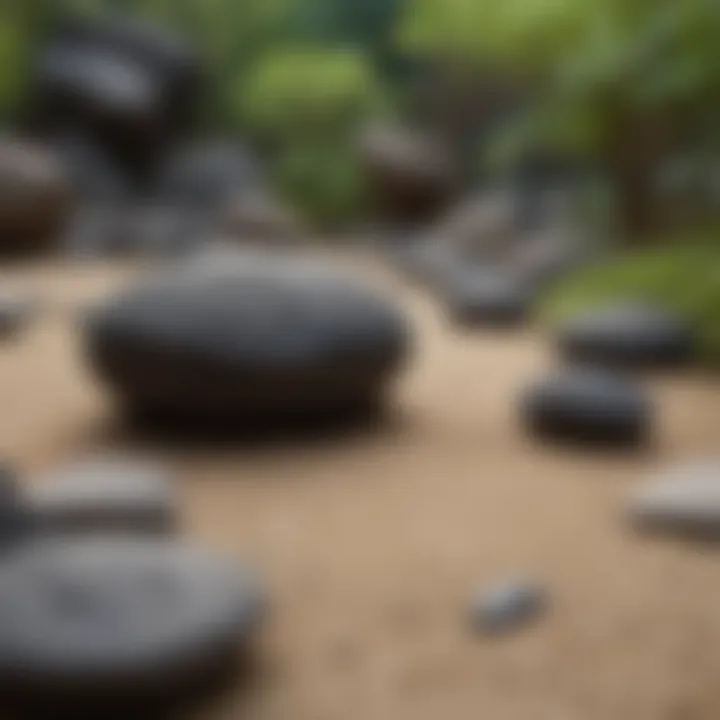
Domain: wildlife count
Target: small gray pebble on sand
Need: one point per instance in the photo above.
(505, 607)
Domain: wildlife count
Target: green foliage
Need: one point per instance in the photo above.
(308, 91)
(306, 103)
(595, 65)
(323, 181)
(685, 279)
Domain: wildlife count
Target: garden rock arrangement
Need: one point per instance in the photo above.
(101, 495)
(248, 341)
(683, 501)
(132, 86)
(111, 627)
(588, 405)
(35, 199)
(629, 334)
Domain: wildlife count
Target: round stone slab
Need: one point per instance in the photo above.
(102, 626)
(629, 334)
(105, 495)
(588, 405)
(684, 501)
(248, 340)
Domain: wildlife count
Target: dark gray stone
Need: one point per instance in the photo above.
(101, 495)
(588, 405)
(247, 341)
(209, 176)
(97, 628)
(630, 334)
(506, 607)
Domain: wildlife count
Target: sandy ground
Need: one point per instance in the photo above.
(373, 544)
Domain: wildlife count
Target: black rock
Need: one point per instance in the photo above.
(627, 335)
(103, 495)
(118, 626)
(589, 405)
(159, 50)
(255, 339)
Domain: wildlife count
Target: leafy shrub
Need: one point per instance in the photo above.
(324, 182)
(685, 280)
(308, 91)
(305, 104)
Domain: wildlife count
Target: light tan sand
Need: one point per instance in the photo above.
(373, 544)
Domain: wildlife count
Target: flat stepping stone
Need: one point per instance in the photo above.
(100, 495)
(587, 405)
(491, 297)
(507, 607)
(627, 334)
(98, 628)
(683, 501)
(248, 341)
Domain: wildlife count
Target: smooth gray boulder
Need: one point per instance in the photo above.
(114, 627)
(684, 500)
(103, 495)
(247, 341)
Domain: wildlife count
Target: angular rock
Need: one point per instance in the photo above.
(247, 341)
(589, 405)
(117, 627)
(105, 495)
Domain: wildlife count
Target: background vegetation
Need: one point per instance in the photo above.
(628, 90)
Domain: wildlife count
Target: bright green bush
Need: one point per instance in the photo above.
(304, 92)
(306, 104)
(683, 279)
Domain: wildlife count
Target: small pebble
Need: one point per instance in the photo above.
(503, 608)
